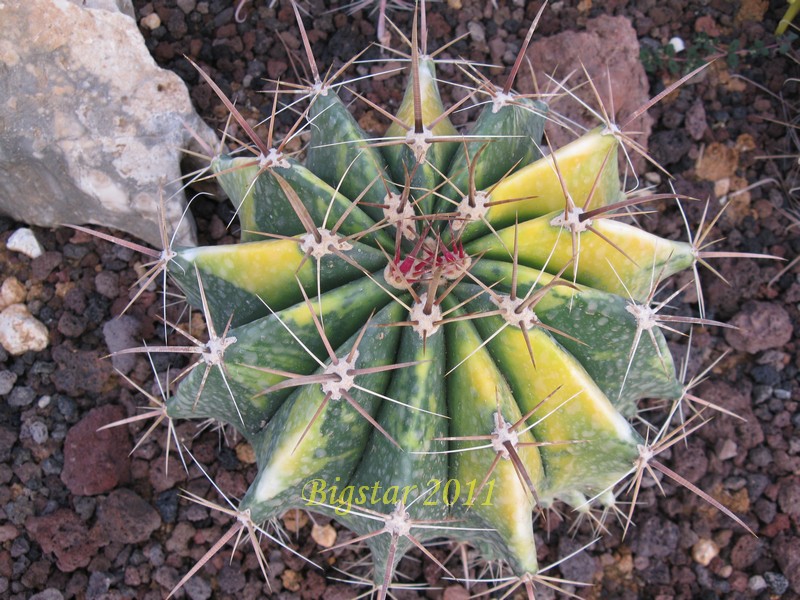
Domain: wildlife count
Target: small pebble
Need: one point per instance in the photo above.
(99, 584)
(734, 483)
(782, 394)
(59, 432)
(151, 21)
(7, 380)
(476, 32)
(757, 583)
(775, 405)
(68, 408)
(759, 326)
(48, 594)
(167, 505)
(765, 510)
(71, 325)
(154, 554)
(197, 588)
(456, 592)
(43, 266)
(21, 332)
(187, 6)
(38, 431)
(294, 519)
(245, 453)
(291, 580)
(44, 402)
(107, 284)
(777, 582)
(51, 466)
(121, 334)
(653, 177)
(127, 518)
(231, 579)
(8, 532)
(678, 45)
(24, 241)
(166, 576)
(11, 292)
(21, 396)
(19, 547)
(75, 251)
(761, 393)
(728, 450)
(96, 462)
(704, 551)
(324, 535)
(43, 367)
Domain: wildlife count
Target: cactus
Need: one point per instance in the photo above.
(437, 333)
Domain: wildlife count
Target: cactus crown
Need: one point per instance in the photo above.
(436, 333)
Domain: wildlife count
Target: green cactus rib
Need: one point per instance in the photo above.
(264, 209)
(247, 281)
(436, 342)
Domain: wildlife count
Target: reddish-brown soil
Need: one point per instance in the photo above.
(79, 518)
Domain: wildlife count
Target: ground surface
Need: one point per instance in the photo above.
(110, 526)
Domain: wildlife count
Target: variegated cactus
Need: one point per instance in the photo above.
(436, 333)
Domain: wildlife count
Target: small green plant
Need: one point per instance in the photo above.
(701, 50)
(435, 333)
(698, 52)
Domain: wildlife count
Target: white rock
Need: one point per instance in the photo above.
(23, 240)
(21, 332)
(678, 45)
(91, 129)
(11, 292)
(123, 6)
